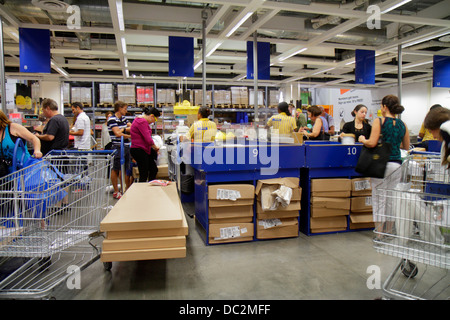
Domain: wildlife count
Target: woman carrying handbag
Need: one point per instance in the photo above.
(395, 132)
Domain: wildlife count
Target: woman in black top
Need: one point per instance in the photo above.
(359, 126)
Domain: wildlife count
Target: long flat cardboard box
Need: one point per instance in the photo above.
(143, 254)
(143, 243)
(136, 234)
(286, 228)
(226, 231)
(145, 207)
(330, 203)
(230, 212)
(333, 184)
(323, 230)
(294, 205)
(332, 194)
(325, 212)
(217, 195)
(328, 222)
(231, 220)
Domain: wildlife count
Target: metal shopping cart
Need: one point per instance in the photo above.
(50, 213)
(413, 224)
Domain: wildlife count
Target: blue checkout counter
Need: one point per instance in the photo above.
(250, 162)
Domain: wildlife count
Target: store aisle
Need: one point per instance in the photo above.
(332, 266)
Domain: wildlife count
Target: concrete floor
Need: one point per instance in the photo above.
(320, 267)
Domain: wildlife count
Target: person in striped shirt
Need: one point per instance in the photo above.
(118, 127)
(203, 130)
(283, 121)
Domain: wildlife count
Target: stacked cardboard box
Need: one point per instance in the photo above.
(361, 216)
(198, 98)
(330, 204)
(147, 223)
(282, 222)
(230, 213)
(239, 95)
(126, 93)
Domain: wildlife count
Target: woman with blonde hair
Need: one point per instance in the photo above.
(9, 133)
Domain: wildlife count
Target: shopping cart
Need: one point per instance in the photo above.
(50, 213)
(413, 223)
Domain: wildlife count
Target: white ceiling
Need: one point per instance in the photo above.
(330, 30)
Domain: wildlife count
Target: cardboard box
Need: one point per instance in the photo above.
(361, 187)
(264, 189)
(230, 212)
(335, 187)
(232, 220)
(163, 171)
(361, 204)
(230, 232)
(277, 228)
(328, 224)
(324, 212)
(132, 212)
(330, 203)
(220, 195)
(361, 221)
(143, 243)
(143, 254)
(136, 234)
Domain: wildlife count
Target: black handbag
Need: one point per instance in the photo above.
(372, 162)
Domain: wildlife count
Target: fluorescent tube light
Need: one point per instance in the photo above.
(293, 54)
(124, 45)
(198, 64)
(214, 49)
(239, 24)
(119, 8)
(395, 6)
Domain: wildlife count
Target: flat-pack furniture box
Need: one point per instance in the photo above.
(230, 232)
(334, 187)
(277, 228)
(147, 223)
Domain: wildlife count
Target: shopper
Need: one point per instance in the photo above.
(55, 135)
(300, 119)
(143, 148)
(359, 126)
(9, 133)
(425, 134)
(203, 130)
(394, 131)
(437, 122)
(330, 121)
(119, 127)
(319, 129)
(81, 129)
(283, 121)
(106, 138)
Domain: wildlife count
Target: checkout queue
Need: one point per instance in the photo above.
(320, 125)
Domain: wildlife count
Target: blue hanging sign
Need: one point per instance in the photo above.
(263, 60)
(441, 71)
(181, 57)
(34, 49)
(365, 66)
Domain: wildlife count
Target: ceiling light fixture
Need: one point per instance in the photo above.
(293, 54)
(198, 64)
(239, 24)
(214, 49)
(119, 8)
(395, 6)
(124, 45)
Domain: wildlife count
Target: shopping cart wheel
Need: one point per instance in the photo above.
(409, 269)
(107, 266)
